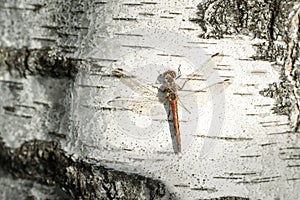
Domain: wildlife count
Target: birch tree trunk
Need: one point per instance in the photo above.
(73, 128)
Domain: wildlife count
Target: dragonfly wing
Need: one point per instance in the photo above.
(207, 93)
(206, 69)
(205, 75)
(137, 85)
(138, 106)
(148, 101)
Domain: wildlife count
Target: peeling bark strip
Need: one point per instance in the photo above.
(47, 163)
(45, 62)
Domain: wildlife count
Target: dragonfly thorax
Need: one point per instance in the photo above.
(171, 96)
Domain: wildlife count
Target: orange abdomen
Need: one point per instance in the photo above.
(176, 124)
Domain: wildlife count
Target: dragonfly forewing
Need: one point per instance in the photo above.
(205, 94)
(146, 101)
(204, 72)
(137, 85)
(139, 105)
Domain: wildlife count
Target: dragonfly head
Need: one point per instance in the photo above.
(170, 73)
(169, 76)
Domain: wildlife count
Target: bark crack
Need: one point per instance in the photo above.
(292, 72)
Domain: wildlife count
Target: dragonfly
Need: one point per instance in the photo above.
(169, 91)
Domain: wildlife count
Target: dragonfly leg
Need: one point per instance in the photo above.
(182, 86)
(178, 72)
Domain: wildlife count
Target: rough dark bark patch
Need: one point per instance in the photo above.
(259, 19)
(45, 62)
(47, 163)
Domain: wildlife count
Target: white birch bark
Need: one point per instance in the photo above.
(232, 143)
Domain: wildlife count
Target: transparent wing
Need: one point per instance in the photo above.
(205, 94)
(205, 72)
(206, 80)
(141, 106)
(148, 103)
(137, 85)
(207, 69)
